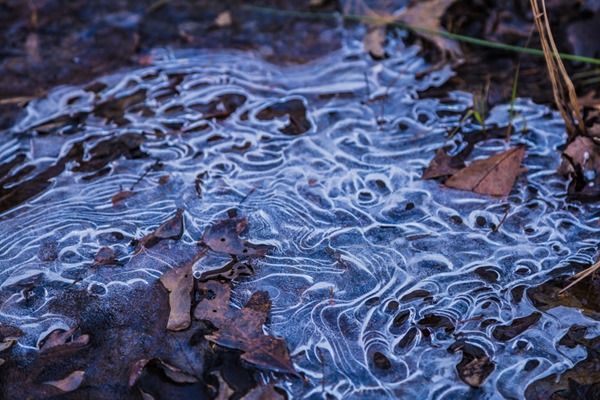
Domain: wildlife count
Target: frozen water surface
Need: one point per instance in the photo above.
(375, 274)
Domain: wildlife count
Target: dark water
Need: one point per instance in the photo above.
(375, 273)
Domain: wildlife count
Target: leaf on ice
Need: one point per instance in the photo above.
(223, 237)
(493, 176)
(242, 329)
(70, 383)
(60, 340)
(171, 229)
(179, 282)
(442, 165)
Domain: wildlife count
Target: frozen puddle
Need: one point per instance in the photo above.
(379, 280)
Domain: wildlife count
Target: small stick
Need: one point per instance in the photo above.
(582, 275)
(496, 228)
(150, 168)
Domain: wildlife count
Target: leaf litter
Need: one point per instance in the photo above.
(174, 325)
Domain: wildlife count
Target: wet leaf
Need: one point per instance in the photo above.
(242, 329)
(229, 271)
(171, 229)
(581, 163)
(475, 366)
(374, 40)
(179, 282)
(223, 20)
(70, 383)
(59, 340)
(225, 391)
(427, 16)
(9, 331)
(7, 343)
(122, 196)
(105, 256)
(163, 179)
(175, 374)
(519, 325)
(223, 237)
(442, 165)
(264, 392)
(493, 176)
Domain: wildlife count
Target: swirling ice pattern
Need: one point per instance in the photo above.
(354, 228)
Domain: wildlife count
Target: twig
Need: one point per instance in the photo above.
(582, 275)
(496, 228)
(150, 168)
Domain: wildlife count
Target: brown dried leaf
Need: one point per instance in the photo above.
(122, 196)
(442, 165)
(136, 370)
(7, 343)
(223, 20)
(223, 237)
(59, 339)
(225, 391)
(70, 383)
(242, 329)
(171, 229)
(179, 282)
(265, 392)
(581, 162)
(426, 16)
(105, 256)
(493, 176)
(175, 374)
(374, 40)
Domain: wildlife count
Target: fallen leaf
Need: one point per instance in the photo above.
(7, 343)
(374, 40)
(229, 271)
(70, 383)
(264, 392)
(223, 237)
(163, 179)
(442, 165)
(493, 176)
(63, 340)
(9, 330)
(581, 163)
(223, 20)
(122, 196)
(242, 329)
(425, 17)
(105, 256)
(225, 391)
(179, 282)
(175, 374)
(171, 229)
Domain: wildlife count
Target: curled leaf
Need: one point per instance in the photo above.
(70, 383)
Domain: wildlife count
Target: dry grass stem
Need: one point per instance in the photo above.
(562, 87)
(581, 276)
